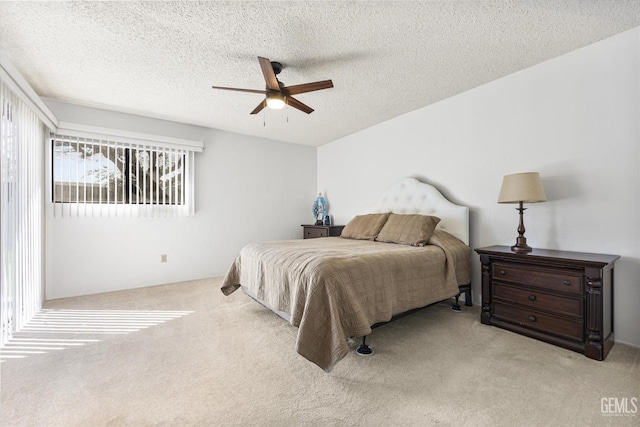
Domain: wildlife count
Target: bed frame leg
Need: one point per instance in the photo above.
(364, 349)
(456, 307)
(467, 298)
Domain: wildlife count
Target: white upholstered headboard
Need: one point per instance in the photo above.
(410, 196)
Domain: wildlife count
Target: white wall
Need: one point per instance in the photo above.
(574, 119)
(247, 189)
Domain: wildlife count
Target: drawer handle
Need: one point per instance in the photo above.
(503, 272)
(532, 297)
(566, 282)
(532, 318)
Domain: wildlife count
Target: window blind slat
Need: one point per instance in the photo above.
(107, 179)
(157, 170)
(77, 205)
(172, 187)
(138, 182)
(84, 174)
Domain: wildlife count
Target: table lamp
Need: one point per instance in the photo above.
(521, 188)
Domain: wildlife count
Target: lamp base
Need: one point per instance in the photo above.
(521, 242)
(521, 246)
(521, 249)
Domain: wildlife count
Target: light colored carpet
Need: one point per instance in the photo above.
(232, 362)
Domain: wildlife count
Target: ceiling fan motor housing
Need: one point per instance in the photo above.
(277, 67)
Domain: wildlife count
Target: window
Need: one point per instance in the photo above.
(97, 176)
(92, 171)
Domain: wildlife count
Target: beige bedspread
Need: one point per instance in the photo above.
(334, 288)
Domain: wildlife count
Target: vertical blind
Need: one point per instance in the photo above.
(21, 213)
(101, 177)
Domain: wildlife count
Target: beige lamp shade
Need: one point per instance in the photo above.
(522, 187)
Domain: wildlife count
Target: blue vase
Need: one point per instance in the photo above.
(319, 209)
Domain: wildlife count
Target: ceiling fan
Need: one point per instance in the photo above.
(277, 94)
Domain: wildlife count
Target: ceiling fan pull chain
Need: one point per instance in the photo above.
(264, 119)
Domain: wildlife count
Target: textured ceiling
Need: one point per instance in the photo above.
(160, 59)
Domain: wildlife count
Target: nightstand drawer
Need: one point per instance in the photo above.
(539, 300)
(312, 233)
(559, 281)
(537, 320)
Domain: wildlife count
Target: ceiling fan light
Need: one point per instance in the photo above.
(275, 100)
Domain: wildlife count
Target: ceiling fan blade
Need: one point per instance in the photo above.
(240, 90)
(269, 75)
(307, 87)
(260, 107)
(299, 105)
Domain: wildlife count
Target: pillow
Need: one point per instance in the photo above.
(364, 227)
(414, 229)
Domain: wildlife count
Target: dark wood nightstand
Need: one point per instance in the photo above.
(313, 231)
(563, 298)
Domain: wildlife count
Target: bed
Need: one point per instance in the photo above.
(409, 251)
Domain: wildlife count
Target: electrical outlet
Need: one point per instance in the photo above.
(163, 258)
